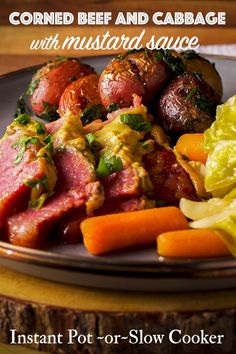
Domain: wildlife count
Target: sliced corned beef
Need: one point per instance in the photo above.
(120, 205)
(125, 183)
(76, 180)
(14, 194)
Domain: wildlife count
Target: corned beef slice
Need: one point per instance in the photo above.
(75, 181)
(14, 194)
(76, 187)
(125, 183)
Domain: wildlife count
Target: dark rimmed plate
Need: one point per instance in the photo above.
(138, 269)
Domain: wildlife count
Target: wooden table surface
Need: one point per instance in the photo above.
(15, 41)
(32, 305)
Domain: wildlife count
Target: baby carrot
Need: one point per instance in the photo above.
(192, 146)
(115, 231)
(198, 243)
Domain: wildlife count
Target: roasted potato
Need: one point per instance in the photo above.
(143, 73)
(81, 96)
(187, 105)
(195, 63)
(50, 81)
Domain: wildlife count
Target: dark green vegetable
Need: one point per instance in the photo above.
(204, 104)
(21, 107)
(22, 143)
(91, 113)
(23, 119)
(174, 62)
(50, 112)
(122, 56)
(32, 87)
(40, 128)
(136, 122)
(191, 93)
(48, 139)
(91, 138)
(113, 107)
(43, 181)
(189, 54)
(108, 166)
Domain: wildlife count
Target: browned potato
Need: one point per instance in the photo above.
(50, 81)
(195, 63)
(142, 72)
(187, 105)
(82, 98)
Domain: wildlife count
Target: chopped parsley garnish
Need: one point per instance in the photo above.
(174, 62)
(32, 87)
(136, 122)
(204, 104)
(189, 54)
(60, 57)
(91, 138)
(40, 128)
(37, 183)
(21, 107)
(48, 158)
(122, 56)
(147, 52)
(191, 93)
(23, 119)
(91, 113)
(113, 107)
(108, 166)
(50, 112)
(48, 139)
(22, 143)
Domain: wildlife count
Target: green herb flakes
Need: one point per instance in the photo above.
(22, 143)
(21, 107)
(40, 128)
(108, 166)
(204, 104)
(112, 107)
(37, 183)
(91, 113)
(136, 122)
(191, 94)
(189, 54)
(50, 112)
(174, 62)
(91, 138)
(23, 119)
(32, 87)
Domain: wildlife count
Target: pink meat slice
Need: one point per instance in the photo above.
(121, 205)
(125, 183)
(75, 181)
(14, 194)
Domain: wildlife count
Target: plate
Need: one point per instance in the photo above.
(138, 269)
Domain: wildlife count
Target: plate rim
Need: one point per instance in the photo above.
(37, 66)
